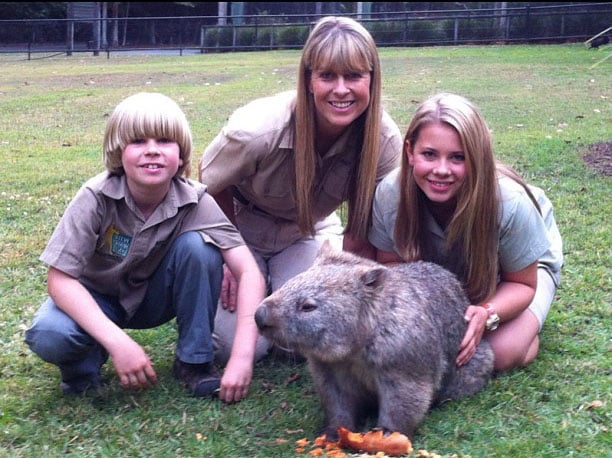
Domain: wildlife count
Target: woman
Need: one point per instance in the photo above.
(451, 203)
(283, 165)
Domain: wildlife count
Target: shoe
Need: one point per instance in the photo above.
(79, 386)
(201, 380)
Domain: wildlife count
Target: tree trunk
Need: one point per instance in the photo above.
(115, 28)
(501, 8)
(152, 38)
(222, 13)
(127, 13)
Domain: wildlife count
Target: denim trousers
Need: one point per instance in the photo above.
(186, 286)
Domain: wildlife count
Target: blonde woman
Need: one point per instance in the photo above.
(139, 245)
(451, 203)
(284, 164)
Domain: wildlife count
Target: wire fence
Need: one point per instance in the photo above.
(204, 34)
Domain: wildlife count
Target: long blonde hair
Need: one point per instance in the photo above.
(146, 115)
(341, 45)
(473, 228)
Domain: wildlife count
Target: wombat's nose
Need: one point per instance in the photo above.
(260, 316)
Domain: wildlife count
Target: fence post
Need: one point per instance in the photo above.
(527, 23)
(507, 31)
(70, 38)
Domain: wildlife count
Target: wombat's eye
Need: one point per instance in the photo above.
(307, 306)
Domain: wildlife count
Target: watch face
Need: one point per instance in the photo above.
(492, 322)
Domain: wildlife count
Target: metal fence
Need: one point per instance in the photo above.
(202, 34)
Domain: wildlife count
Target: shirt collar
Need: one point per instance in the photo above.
(183, 191)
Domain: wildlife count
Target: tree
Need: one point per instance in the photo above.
(33, 10)
(222, 13)
(502, 23)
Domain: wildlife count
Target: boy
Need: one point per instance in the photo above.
(141, 244)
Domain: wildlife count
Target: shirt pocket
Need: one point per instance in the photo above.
(335, 181)
(272, 189)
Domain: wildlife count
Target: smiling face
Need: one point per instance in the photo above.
(438, 162)
(150, 164)
(339, 98)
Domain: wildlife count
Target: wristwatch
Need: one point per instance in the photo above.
(493, 320)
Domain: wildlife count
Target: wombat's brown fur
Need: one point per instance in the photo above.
(376, 337)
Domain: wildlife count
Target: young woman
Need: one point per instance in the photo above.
(283, 164)
(451, 203)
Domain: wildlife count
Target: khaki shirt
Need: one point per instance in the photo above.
(524, 236)
(104, 241)
(254, 153)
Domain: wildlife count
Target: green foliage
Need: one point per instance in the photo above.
(431, 31)
(246, 36)
(219, 36)
(293, 35)
(387, 32)
(545, 106)
(33, 10)
(264, 37)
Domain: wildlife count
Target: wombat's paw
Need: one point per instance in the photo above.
(331, 434)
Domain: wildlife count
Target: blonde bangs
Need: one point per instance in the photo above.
(342, 54)
(147, 124)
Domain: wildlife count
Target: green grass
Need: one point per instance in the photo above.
(545, 104)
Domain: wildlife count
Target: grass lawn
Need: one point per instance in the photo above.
(546, 104)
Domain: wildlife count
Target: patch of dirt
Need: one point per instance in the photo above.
(598, 156)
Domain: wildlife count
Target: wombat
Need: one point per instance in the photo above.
(377, 338)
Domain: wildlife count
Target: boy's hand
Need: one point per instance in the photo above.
(133, 366)
(236, 379)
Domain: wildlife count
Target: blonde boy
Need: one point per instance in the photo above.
(139, 245)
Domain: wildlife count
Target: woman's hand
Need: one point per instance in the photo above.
(229, 290)
(476, 316)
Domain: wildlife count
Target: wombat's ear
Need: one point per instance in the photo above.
(325, 248)
(374, 277)
(327, 254)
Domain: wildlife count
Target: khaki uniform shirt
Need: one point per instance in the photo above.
(104, 241)
(523, 234)
(254, 153)
(552, 261)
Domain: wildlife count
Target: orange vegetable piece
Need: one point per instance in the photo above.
(302, 442)
(336, 453)
(320, 441)
(375, 441)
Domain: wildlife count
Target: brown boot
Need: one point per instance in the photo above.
(200, 379)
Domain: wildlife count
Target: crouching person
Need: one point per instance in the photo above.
(139, 245)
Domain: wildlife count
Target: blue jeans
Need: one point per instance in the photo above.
(186, 285)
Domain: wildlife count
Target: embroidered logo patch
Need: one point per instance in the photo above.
(119, 243)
